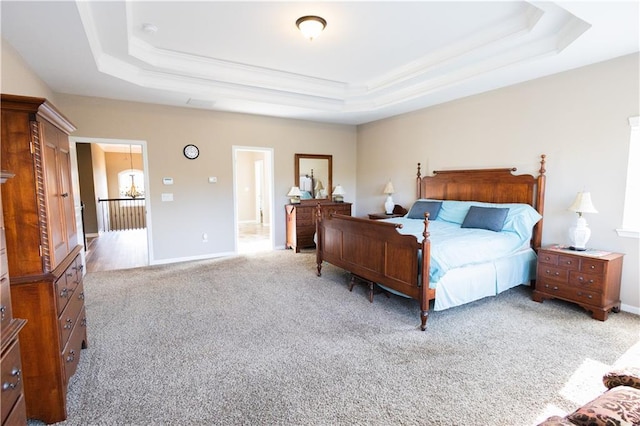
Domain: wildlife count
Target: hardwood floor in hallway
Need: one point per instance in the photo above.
(128, 249)
(118, 250)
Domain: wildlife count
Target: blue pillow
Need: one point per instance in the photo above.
(420, 207)
(489, 218)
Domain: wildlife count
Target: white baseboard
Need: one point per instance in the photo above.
(189, 258)
(629, 308)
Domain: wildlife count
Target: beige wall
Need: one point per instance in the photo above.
(577, 118)
(200, 207)
(18, 79)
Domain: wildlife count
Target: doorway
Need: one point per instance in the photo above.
(111, 183)
(253, 198)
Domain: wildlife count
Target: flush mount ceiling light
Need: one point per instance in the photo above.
(311, 26)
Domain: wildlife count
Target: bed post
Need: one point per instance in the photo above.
(418, 183)
(319, 239)
(424, 272)
(537, 233)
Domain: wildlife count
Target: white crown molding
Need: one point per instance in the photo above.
(531, 34)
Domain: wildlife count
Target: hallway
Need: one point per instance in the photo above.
(117, 250)
(128, 249)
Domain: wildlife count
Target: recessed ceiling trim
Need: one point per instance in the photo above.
(230, 72)
(502, 32)
(530, 34)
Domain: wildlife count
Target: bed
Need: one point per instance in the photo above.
(407, 256)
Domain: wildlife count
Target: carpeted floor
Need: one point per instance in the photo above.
(260, 340)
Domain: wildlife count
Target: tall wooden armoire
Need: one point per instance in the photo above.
(45, 264)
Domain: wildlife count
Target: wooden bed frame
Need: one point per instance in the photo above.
(375, 252)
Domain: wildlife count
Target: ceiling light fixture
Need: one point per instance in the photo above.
(311, 26)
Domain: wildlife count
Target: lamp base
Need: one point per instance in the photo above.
(389, 205)
(579, 235)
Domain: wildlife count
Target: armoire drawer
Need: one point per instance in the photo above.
(71, 313)
(11, 378)
(71, 352)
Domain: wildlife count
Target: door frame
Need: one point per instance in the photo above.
(145, 164)
(268, 168)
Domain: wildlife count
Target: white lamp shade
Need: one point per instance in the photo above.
(338, 190)
(294, 192)
(583, 204)
(388, 189)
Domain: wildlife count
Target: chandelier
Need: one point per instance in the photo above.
(132, 192)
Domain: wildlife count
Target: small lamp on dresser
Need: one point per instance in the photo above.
(579, 233)
(388, 204)
(294, 195)
(338, 194)
(319, 190)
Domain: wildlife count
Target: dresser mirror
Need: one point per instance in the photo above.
(314, 176)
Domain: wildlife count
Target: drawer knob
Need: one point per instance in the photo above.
(64, 292)
(547, 258)
(3, 311)
(81, 296)
(568, 262)
(593, 266)
(14, 373)
(83, 322)
(557, 274)
(555, 287)
(71, 356)
(68, 323)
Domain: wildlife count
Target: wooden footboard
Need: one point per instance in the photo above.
(375, 251)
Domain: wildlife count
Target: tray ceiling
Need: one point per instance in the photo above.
(374, 59)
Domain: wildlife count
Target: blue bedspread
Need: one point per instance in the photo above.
(454, 247)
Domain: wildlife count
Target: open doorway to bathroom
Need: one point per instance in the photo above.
(253, 194)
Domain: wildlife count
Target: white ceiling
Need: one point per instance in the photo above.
(374, 59)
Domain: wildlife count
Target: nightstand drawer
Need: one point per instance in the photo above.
(592, 266)
(553, 273)
(548, 258)
(586, 281)
(570, 293)
(568, 262)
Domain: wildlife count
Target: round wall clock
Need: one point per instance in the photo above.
(191, 151)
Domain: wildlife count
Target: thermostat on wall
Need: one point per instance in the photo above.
(167, 181)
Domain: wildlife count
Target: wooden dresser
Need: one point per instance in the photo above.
(301, 222)
(45, 264)
(590, 279)
(11, 375)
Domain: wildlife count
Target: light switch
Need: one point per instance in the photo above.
(167, 196)
(213, 179)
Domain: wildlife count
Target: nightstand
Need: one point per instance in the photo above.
(588, 278)
(378, 216)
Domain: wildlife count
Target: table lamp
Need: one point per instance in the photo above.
(579, 233)
(294, 195)
(388, 204)
(338, 194)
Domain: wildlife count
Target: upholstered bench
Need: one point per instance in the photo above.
(619, 405)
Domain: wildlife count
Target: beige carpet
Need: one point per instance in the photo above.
(261, 340)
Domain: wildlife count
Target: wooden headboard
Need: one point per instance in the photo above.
(490, 186)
